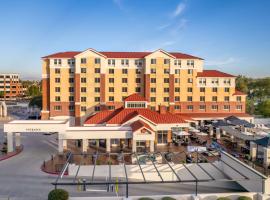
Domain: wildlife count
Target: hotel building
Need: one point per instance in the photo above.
(77, 85)
(10, 86)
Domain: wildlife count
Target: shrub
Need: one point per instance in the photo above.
(145, 198)
(58, 194)
(244, 198)
(223, 198)
(168, 198)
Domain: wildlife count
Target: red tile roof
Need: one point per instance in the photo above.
(110, 54)
(213, 115)
(239, 93)
(140, 124)
(135, 97)
(122, 115)
(213, 73)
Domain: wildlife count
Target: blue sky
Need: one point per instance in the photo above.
(231, 35)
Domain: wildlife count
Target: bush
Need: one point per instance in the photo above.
(145, 198)
(244, 198)
(168, 198)
(58, 194)
(223, 198)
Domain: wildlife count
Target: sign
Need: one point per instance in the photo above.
(196, 148)
(32, 130)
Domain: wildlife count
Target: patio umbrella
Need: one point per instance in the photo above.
(194, 130)
(201, 134)
(181, 133)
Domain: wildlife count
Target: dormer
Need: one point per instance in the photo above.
(135, 101)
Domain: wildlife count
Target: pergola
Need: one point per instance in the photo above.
(151, 173)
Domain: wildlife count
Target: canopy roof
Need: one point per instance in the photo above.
(265, 142)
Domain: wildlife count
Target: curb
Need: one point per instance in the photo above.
(9, 155)
(51, 173)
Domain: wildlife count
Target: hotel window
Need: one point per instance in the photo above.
(124, 89)
(177, 80)
(153, 61)
(189, 98)
(97, 60)
(190, 71)
(177, 89)
(226, 89)
(71, 80)
(83, 99)
(124, 62)
(189, 89)
(190, 80)
(57, 80)
(83, 70)
(166, 80)
(215, 81)
(166, 61)
(57, 89)
(111, 71)
(111, 98)
(190, 107)
(83, 89)
(166, 71)
(177, 62)
(214, 98)
(138, 80)
(214, 107)
(124, 71)
(190, 62)
(153, 89)
(152, 108)
(83, 80)
(202, 89)
(202, 98)
(71, 61)
(153, 71)
(71, 71)
(138, 89)
(226, 98)
(238, 98)
(111, 89)
(202, 81)
(153, 99)
(138, 71)
(111, 80)
(55, 61)
(177, 71)
(97, 99)
(71, 89)
(124, 80)
(97, 89)
(83, 108)
(202, 107)
(153, 80)
(97, 80)
(239, 107)
(71, 98)
(177, 107)
(111, 107)
(83, 60)
(166, 99)
(57, 71)
(177, 98)
(226, 107)
(57, 98)
(214, 89)
(166, 90)
(97, 108)
(111, 62)
(57, 108)
(71, 108)
(97, 70)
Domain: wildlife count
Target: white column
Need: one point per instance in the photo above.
(65, 144)
(217, 133)
(17, 139)
(211, 131)
(253, 150)
(108, 145)
(134, 147)
(84, 145)
(152, 146)
(97, 143)
(60, 145)
(266, 156)
(223, 132)
(10, 142)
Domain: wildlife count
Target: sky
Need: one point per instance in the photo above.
(231, 35)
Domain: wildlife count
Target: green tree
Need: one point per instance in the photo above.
(242, 84)
(33, 91)
(36, 101)
(250, 107)
(2, 94)
(264, 108)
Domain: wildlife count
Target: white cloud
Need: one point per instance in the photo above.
(178, 27)
(164, 26)
(119, 4)
(179, 9)
(227, 61)
(167, 43)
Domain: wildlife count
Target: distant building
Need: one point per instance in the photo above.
(10, 86)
